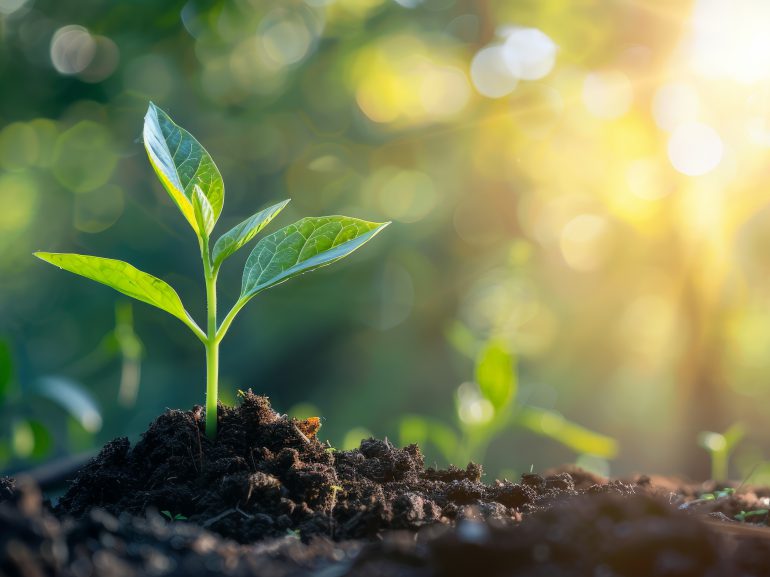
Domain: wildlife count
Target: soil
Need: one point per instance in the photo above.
(268, 498)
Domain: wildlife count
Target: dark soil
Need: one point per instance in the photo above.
(268, 498)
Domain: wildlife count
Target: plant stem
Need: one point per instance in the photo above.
(229, 318)
(211, 342)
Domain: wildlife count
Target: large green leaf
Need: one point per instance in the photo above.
(123, 278)
(181, 163)
(306, 245)
(496, 374)
(242, 233)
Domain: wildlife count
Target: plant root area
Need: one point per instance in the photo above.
(267, 498)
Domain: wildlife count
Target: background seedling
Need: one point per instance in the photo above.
(194, 183)
(491, 404)
(171, 517)
(743, 515)
(720, 446)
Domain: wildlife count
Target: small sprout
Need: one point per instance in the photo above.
(719, 446)
(172, 517)
(718, 494)
(743, 515)
(193, 182)
(335, 489)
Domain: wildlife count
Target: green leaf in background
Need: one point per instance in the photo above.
(123, 278)
(73, 398)
(6, 369)
(496, 374)
(31, 439)
(554, 426)
(242, 233)
(181, 163)
(42, 439)
(203, 211)
(306, 245)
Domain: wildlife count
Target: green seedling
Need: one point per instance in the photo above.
(171, 517)
(194, 183)
(743, 515)
(490, 405)
(718, 494)
(720, 446)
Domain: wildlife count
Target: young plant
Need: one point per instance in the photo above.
(720, 446)
(171, 517)
(490, 405)
(194, 183)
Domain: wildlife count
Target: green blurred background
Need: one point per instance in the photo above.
(584, 182)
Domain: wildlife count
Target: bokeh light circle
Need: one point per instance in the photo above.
(695, 149)
(530, 53)
(490, 73)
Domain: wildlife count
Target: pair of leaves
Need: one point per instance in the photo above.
(194, 183)
(307, 245)
(497, 380)
(185, 169)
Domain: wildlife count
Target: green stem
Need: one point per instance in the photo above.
(229, 318)
(211, 342)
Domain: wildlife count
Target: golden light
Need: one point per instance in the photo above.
(607, 94)
(675, 103)
(695, 149)
(730, 40)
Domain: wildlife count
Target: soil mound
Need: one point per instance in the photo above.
(267, 475)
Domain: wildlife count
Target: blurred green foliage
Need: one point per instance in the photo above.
(554, 208)
(487, 408)
(38, 418)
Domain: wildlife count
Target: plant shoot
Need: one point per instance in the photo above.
(194, 183)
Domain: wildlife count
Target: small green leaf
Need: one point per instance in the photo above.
(553, 425)
(496, 374)
(306, 245)
(204, 213)
(73, 398)
(242, 233)
(123, 278)
(734, 435)
(181, 163)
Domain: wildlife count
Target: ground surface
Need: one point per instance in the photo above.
(268, 498)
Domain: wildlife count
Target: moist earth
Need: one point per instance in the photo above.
(268, 498)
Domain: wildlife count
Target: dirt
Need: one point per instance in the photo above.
(268, 498)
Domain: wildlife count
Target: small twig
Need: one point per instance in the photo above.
(301, 434)
(244, 513)
(219, 517)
